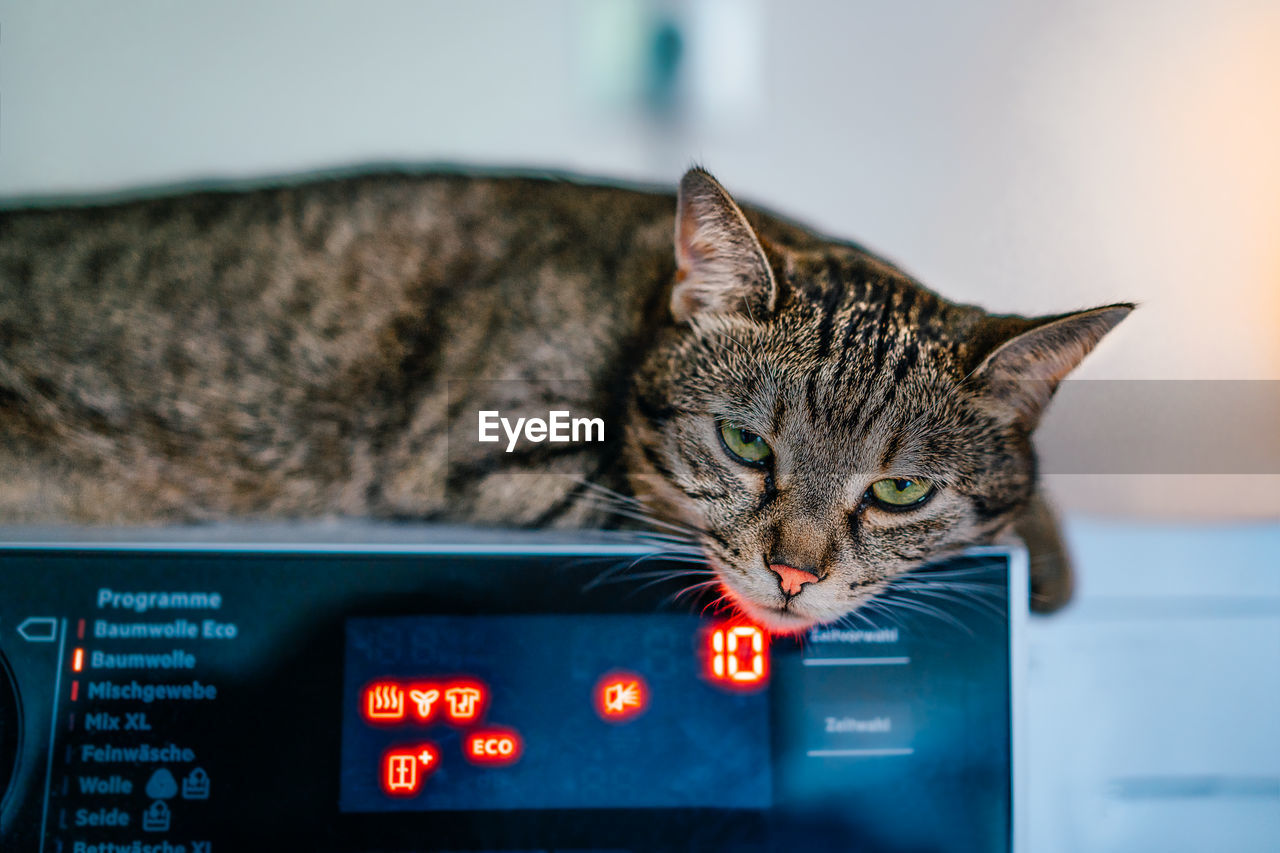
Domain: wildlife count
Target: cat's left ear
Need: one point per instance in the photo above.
(721, 265)
(1024, 370)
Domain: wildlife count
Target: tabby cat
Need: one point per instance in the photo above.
(812, 418)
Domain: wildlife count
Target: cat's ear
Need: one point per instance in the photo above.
(721, 266)
(1024, 370)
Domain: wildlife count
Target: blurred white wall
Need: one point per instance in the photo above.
(1033, 159)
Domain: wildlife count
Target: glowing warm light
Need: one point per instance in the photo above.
(77, 660)
(465, 701)
(405, 768)
(392, 702)
(423, 697)
(739, 656)
(493, 747)
(621, 696)
(383, 702)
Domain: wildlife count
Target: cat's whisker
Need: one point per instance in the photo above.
(881, 612)
(963, 598)
(656, 536)
(622, 569)
(925, 572)
(857, 617)
(925, 609)
(601, 489)
(615, 569)
(609, 498)
(973, 587)
(690, 589)
(600, 493)
(990, 589)
(716, 602)
(646, 519)
(858, 614)
(635, 513)
(690, 532)
(978, 604)
(661, 576)
(689, 556)
(610, 563)
(895, 618)
(659, 580)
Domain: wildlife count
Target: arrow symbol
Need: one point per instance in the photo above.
(39, 629)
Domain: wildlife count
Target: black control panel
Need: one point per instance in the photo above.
(485, 695)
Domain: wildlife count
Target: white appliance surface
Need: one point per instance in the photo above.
(1154, 706)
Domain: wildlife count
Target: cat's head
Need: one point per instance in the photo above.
(825, 422)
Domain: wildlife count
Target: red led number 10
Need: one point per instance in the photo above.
(738, 655)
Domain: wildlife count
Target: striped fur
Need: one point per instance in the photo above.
(315, 348)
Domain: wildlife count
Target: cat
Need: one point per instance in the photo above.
(806, 415)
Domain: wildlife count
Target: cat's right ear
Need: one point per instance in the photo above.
(1023, 372)
(721, 266)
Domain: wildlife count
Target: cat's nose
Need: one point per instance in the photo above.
(790, 578)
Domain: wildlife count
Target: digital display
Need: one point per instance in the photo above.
(463, 713)
(289, 700)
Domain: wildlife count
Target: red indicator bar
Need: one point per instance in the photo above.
(493, 747)
(80, 630)
(405, 768)
(77, 660)
(75, 690)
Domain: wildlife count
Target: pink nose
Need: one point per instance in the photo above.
(791, 578)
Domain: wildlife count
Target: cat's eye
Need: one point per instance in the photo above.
(744, 445)
(897, 493)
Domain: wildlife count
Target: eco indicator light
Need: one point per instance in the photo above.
(493, 747)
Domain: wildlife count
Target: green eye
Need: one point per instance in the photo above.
(744, 445)
(897, 493)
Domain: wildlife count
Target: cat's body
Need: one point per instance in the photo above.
(308, 350)
(288, 352)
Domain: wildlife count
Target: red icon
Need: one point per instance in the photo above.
(424, 699)
(383, 702)
(493, 746)
(464, 702)
(404, 769)
(739, 656)
(621, 696)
